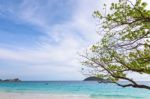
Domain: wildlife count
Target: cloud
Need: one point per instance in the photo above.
(67, 36)
(56, 50)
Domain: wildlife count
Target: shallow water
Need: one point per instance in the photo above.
(92, 89)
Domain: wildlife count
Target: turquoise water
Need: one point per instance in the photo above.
(92, 89)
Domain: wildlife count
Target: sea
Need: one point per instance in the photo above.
(92, 89)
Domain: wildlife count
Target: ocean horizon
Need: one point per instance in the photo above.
(91, 89)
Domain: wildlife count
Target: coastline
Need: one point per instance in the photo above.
(68, 90)
(5, 95)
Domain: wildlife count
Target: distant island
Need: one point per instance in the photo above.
(10, 80)
(100, 80)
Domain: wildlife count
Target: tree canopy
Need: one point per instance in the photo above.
(125, 46)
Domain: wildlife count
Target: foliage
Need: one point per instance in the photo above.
(125, 46)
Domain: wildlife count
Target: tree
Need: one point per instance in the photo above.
(125, 46)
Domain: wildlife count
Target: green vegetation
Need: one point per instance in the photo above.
(125, 46)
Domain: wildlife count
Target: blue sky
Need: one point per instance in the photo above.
(40, 39)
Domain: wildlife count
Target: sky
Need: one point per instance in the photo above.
(41, 39)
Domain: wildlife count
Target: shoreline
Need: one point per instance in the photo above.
(11, 95)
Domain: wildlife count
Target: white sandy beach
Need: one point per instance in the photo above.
(38, 96)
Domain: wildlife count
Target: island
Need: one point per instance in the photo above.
(10, 80)
(100, 80)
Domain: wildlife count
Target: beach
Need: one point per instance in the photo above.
(39, 96)
(69, 90)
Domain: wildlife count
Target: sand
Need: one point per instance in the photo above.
(38, 96)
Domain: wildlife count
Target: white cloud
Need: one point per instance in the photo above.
(70, 37)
